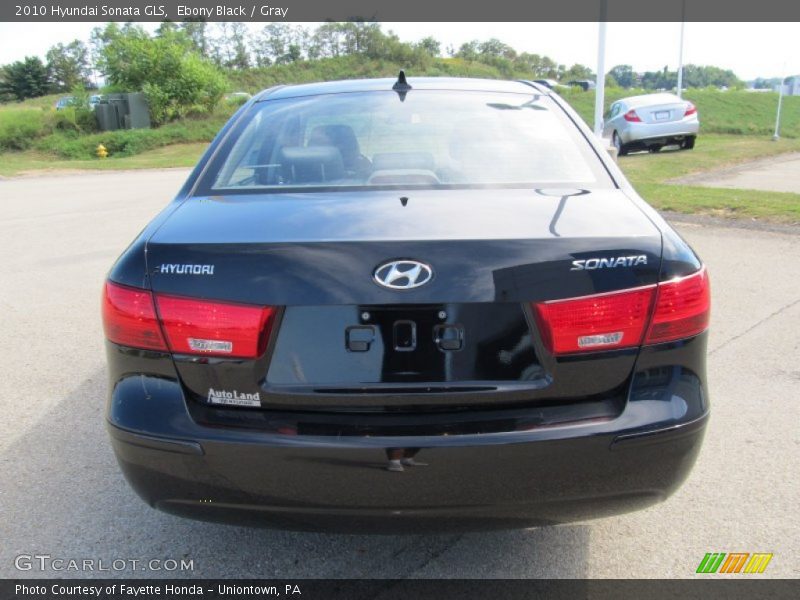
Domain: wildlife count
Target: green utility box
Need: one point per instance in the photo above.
(107, 118)
(123, 111)
(138, 111)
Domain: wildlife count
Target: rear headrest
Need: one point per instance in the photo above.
(390, 161)
(316, 164)
(339, 136)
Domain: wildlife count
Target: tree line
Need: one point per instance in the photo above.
(127, 56)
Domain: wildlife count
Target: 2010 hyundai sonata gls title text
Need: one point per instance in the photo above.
(406, 305)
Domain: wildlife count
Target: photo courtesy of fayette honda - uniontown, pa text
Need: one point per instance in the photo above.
(406, 305)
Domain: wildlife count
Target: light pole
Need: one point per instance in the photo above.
(600, 81)
(776, 136)
(680, 51)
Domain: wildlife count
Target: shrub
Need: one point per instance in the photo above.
(127, 142)
(174, 78)
(75, 119)
(236, 101)
(20, 128)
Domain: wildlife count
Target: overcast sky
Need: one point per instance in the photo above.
(749, 49)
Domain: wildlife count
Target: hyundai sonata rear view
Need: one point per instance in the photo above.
(406, 305)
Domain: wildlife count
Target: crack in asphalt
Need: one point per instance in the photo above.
(436, 553)
(433, 555)
(754, 326)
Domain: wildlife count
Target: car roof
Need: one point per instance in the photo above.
(647, 99)
(416, 83)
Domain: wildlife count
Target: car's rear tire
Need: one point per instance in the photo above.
(622, 150)
(688, 142)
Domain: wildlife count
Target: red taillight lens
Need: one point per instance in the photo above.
(215, 328)
(683, 308)
(632, 117)
(691, 109)
(129, 318)
(593, 323)
(680, 309)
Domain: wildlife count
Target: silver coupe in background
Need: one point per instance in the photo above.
(651, 122)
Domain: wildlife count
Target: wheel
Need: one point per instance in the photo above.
(654, 149)
(621, 149)
(688, 142)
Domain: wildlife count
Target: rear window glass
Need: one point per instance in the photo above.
(430, 139)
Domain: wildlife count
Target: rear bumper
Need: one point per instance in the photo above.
(335, 487)
(526, 476)
(656, 132)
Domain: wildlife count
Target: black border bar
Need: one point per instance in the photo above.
(403, 10)
(715, 587)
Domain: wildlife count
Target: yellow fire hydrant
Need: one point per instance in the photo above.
(101, 151)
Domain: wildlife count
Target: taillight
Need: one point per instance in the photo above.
(214, 328)
(672, 310)
(691, 109)
(593, 323)
(129, 318)
(683, 308)
(632, 117)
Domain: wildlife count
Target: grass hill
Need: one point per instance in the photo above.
(34, 124)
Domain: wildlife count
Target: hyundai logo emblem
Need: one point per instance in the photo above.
(403, 274)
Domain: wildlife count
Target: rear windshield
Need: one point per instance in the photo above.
(430, 139)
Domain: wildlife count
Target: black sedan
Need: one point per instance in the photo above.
(405, 305)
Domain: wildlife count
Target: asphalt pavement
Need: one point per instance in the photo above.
(62, 495)
(774, 174)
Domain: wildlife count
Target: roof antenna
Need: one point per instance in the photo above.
(401, 86)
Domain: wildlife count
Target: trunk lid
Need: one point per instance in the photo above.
(342, 341)
(665, 112)
(322, 249)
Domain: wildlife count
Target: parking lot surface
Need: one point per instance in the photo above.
(774, 174)
(61, 493)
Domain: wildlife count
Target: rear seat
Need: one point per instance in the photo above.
(313, 164)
